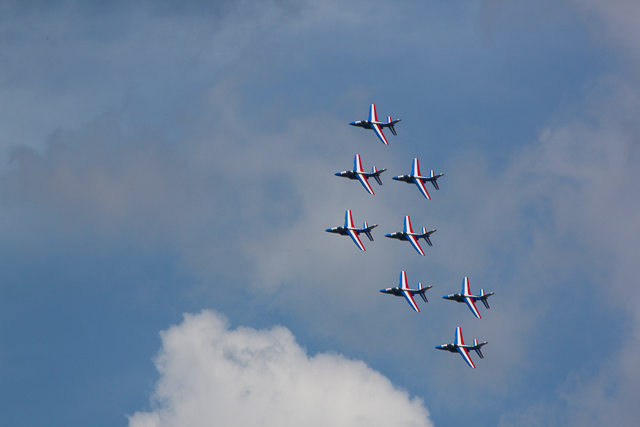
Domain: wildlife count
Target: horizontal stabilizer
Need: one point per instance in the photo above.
(477, 348)
(428, 240)
(434, 181)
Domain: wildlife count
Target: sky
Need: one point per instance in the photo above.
(167, 174)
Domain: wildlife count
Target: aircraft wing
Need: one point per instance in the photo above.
(422, 188)
(407, 295)
(356, 239)
(472, 307)
(415, 244)
(365, 183)
(378, 130)
(465, 355)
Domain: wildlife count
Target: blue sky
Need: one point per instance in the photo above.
(170, 168)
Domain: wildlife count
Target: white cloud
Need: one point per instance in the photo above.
(211, 375)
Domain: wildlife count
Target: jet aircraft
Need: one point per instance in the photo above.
(460, 347)
(377, 126)
(359, 174)
(409, 235)
(466, 297)
(349, 230)
(404, 291)
(417, 179)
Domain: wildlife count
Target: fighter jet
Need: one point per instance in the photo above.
(359, 174)
(466, 297)
(417, 179)
(350, 230)
(460, 347)
(409, 235)
(377, 126)
(404, 291)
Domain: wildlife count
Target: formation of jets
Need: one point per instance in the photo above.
(403, 289)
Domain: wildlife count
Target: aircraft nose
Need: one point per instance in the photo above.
(353, 123)
(387, 235)
(383, 290)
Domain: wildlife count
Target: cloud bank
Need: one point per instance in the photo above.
(211, 375)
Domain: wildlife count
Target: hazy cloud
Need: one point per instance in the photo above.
(211, 375)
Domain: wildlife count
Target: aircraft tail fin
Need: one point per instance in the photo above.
(434, 181)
